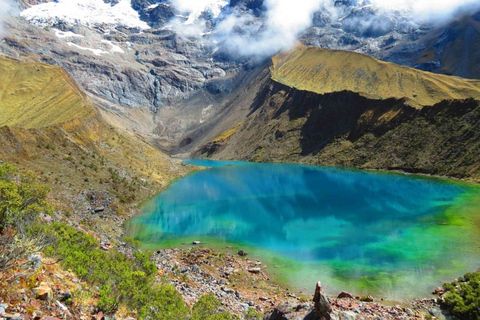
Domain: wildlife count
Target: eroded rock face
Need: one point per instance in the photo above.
(155, 13)
(450, 49)
(256, 6)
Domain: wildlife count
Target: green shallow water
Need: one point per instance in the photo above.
(390, 235)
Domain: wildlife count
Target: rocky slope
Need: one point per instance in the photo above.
(288, 117)
(451, 49)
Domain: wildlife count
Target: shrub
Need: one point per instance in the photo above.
(22, 199)
(122, 280)
(252, 314)
(462, 300)
(206, 308)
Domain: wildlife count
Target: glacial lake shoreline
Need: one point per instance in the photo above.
(374, 278)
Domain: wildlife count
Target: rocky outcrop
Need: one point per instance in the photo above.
(320, 310)
(155, 13)
(256, 6)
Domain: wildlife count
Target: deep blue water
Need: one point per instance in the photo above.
(345, 225)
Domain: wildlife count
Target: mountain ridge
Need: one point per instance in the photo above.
(281, 123)
(326, 71)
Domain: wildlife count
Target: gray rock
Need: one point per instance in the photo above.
(242, 253)
(228, 290)
(436, 313)
(36, 260)
(409, 312)
(322, 305)
(347, 315)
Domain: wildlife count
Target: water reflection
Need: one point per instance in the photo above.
(356, 222)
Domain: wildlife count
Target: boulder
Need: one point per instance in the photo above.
(320, 311)
(345, 295)
(242, 253)
(43, 292)
(322, 306)
(436, 313)
(254, 270)
(367, 298)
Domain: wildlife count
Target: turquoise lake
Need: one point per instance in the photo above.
(390, 235)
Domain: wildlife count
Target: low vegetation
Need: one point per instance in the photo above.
(121, 280)
(462, 297)
(227, 134)
(36, 95)
(207, 308)
(22, 199)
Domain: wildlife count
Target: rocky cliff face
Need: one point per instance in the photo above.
(346, 128)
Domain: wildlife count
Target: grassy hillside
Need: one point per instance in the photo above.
(48, 125)
(35, 95)
(326, 71)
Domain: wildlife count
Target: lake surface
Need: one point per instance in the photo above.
(391, 235)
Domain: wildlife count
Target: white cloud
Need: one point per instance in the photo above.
(7, 8)
(286, 19)
(430, 10)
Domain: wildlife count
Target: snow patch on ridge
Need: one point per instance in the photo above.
(86, 12)
(113, 48)
(96, 52)
(68, 34)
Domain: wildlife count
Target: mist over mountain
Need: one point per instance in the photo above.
(7, 8)
(263, 27)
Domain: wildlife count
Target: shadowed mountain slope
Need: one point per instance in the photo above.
(325, 107)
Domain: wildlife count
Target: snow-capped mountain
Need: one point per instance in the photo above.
(86, 12)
